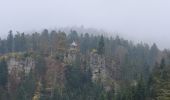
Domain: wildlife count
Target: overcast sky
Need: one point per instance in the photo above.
(138, 20)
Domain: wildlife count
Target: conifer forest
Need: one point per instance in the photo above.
(55, 65)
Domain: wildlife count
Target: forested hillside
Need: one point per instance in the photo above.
(54, 65)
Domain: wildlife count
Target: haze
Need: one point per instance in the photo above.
(138, 20)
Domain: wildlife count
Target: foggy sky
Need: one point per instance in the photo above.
(138, 20)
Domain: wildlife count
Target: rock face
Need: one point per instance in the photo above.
(20, 65)
(98, 67)
(103, 70)
(17, 69)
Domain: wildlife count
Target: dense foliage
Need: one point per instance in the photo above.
(142, 73)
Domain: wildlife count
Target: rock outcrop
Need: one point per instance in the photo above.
(71, 54)
(20, 65)
(103, 70)
(98, 68)
(17, 70)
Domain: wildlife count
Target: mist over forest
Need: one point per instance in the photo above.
(95, 31)
(84, 50)
(146, 21)
(58, 65)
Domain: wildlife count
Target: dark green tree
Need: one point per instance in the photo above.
(17, 42)
(162, 68)
(3, 73)
(44, 42)
(10, 41)
(35, 41)
(40, 66)
(140, 90)
(162, 65)
(3, 46)
(101, 46)
(73, 36)
(23, 42)
(159, 84)
(85, 43)
(27, 88)
(153, 54)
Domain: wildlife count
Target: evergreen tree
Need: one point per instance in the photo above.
(140, 90)
(10, 41)
(35, 41)
(101, 46)
(162, 68)
(53, 41)
(153, 55)
(44, 42)
(3, 73)
(17, 42)
(61, 45)
(27, 87)
(73, 36)
(159, 85)
(23, 42)
(85, 43)
(3, 46)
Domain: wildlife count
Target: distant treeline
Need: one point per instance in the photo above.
(143, 70)
(133, 59)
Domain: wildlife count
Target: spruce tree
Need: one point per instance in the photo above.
(10, 39)
(101, 46)
(3, 73)
(162, 67)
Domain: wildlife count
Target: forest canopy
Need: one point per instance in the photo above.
(125, 71)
